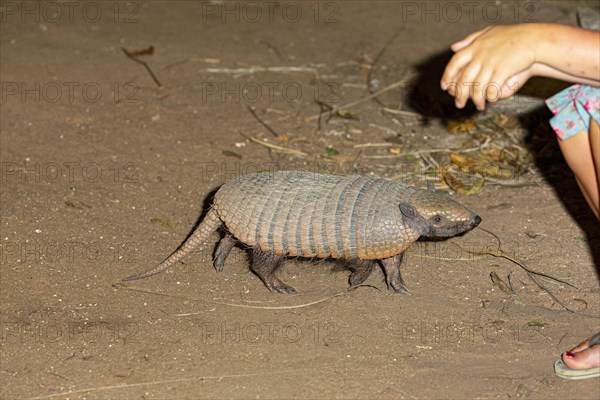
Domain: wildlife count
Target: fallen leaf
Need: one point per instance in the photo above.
(536, 323)
(461, 126)
(351, 129)
(455, 181)
(345, 114)
(163, 222)
(499, 282)
(232, 154)
(330, 151)
(79, 205)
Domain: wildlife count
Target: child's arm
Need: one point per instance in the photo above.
(500, 56)
(574, 51)
(549, 72)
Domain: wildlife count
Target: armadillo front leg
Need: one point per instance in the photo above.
(223, 249)
(264, 264)
(391, 267)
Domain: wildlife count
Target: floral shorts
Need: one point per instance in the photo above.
(573, 108)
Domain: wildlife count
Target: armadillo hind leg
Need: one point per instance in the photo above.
(223, 249)
(391, 267)
(264, 264)
(361, 269)
(209, 224)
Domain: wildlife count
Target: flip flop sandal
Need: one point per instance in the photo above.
(563, 371)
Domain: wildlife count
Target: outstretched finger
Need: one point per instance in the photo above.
(466, 84)
(461, 44)
(454, 69)
(480, 92)
(514, 84)
(502, 86)
(508, 89)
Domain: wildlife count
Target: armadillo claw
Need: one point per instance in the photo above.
(361, 269)
(391, 266)
(400, 288)
(276, 285)
(358, 277)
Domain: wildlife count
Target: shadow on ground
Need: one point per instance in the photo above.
(433, 103)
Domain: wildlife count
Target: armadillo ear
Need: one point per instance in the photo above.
(412, 219)
(408, 211)
(430, 187)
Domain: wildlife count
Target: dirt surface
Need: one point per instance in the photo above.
(104, 173)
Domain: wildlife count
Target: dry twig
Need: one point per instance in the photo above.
(362, 100)
(133, 57)
(274, 146)
(312, 303)
(263, 123)
(530, 273)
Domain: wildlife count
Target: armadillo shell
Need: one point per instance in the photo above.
(313, 215)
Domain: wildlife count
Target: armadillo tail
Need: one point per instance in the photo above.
(208, 225)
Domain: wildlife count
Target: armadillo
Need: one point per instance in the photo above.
(363, 221)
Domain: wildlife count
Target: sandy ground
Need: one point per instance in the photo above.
(104, 174)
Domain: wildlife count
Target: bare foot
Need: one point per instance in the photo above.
(583, 356)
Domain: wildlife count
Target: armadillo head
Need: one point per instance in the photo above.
(435, 215)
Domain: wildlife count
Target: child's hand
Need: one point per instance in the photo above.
(489, 62)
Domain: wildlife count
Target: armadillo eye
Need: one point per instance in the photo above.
(436, 219)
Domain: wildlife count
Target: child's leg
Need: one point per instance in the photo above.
(595, 145)
(582, 153)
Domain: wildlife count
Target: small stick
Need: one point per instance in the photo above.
(430, 151)
(530, 273)
(378, 57)
(323, 108)
(358, 146)
(133, 58)
(362, 100)
(401, 112)
(176, 64)
(382, 157)
(502, 254)
(312, 303)
(219, 378)
(263, 123)
(510, 282)
(252, 70)
(273, 48)
(274, 146)
(385, 129)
